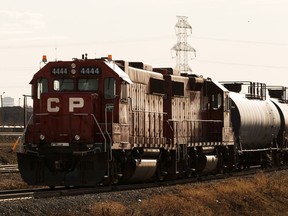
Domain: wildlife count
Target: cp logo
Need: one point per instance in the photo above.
(74, 102)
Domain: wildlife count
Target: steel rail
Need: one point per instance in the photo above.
(38, 193)
(9, 168)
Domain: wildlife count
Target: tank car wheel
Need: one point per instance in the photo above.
(220, 166)
(188, 174)
(239, 167)
(160, 175)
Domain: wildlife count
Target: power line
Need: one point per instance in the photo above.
(159, 38)
(241, 41)
(89, 43)
(242, 64)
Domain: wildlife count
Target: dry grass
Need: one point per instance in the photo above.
(258, 195)
(7, 156)
(12, 181)
(110, 209)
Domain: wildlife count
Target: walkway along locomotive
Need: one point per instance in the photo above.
(102, 121)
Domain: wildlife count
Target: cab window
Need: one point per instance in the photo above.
(109, 88)
(88, 84)
(124, 92)
(63, 85)
(42, 86)
(216, 101)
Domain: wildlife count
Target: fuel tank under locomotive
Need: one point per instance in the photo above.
(256, 123)
(67, 170)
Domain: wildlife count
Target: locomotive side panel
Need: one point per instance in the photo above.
(145, 110)
(185, 116)
(182, 105)
(120, 131)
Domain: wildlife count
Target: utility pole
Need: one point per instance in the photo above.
(182, 49)
(2, 99)
(25, 109)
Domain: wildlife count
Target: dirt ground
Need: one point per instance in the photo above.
(7, 156)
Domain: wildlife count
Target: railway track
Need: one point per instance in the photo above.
(38, 193)
(11, 168)
(11, 133)
(8, 195)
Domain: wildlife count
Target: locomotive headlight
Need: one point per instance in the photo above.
(73, 71)
(42, 137)
(73, 65)
(77, 137)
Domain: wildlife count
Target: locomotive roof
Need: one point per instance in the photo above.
(111, 64)
(119, 71)
(220, 86)
(143, 76)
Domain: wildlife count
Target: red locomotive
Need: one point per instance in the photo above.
(104, 121)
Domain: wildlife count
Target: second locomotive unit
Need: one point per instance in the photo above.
(103, 121)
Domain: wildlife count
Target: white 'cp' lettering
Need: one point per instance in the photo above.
(52, 104)
(75, 103)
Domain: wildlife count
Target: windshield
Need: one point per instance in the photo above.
(63, 85)
(88, 84)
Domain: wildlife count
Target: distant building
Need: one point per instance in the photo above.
(8, 101)
(14, 116)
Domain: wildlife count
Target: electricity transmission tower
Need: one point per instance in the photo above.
(183, 51)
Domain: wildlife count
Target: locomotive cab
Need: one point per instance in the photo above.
(75, 104)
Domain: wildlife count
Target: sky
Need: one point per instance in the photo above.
(235, 40)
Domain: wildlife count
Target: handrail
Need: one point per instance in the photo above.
(105, 142)
(196, 134)
(24, 132)
(185, 120)
(145, 111)
(107, 132)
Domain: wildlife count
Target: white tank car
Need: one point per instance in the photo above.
(283, 110)
(256, 123)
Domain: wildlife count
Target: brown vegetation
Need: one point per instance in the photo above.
(110, 208)
(9, 181)
(259, 195)
(7, 156)
(12, 181)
